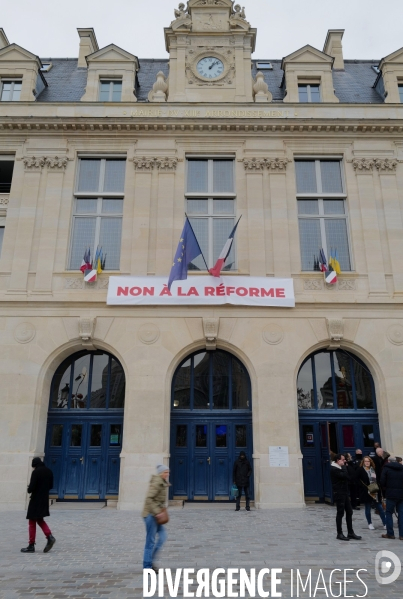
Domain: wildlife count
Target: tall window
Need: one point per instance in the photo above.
(6, 173)
(98, 211)
(210, 205)
(322, 212)
(10, 90)
(309, 92)
(401, 92)
(110, 90)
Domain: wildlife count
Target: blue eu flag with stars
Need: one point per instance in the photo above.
(188, 249)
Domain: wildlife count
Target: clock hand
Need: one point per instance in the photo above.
(212, 65)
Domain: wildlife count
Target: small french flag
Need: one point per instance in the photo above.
(330, 277)
(217, 268)
(90, 276)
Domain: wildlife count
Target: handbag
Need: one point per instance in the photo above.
(372, 487)
(234, 491)
(162, 517)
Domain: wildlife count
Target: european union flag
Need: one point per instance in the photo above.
(188, 250)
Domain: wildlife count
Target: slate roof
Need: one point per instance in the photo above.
(66, 82)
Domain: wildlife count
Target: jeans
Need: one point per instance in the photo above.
(238, 499)
(391, 504)
(380, 510)
(151, 547)
(343, 505)
(32, 529)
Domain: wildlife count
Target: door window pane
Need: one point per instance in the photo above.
(117, 386)
(348, 435)
(306, 176)
(240, 386)
(201, 381)
(336, 239)
(331, 176)
(80, 382)
(308, 439)
(221, 435)
(223, 176)
(363, 386)
(305, 393)
(181, 399)
(99, 381)
(96, 435)
(324, 385)
(368, 435)
(197, 176)
(181, 435)
(310, 242)
(201, 435)
(115, 435)
(221, 369)
(240, 435)
(344, 388)
(76, 433)
(57, 435)
(61, 389)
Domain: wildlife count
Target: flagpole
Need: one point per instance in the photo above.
(190, 225)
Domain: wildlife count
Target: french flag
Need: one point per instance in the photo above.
(86, 263)
(90, 275)
(217, 268)
(322, 261)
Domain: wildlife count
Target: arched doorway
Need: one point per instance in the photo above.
(85, 426)
(337, 413)
(211, 423)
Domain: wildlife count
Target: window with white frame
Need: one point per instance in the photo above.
(309, 92)
(110, 90)
(210, 205)
(10, 90)
(98, 210)
(400, 86)
(322, 212)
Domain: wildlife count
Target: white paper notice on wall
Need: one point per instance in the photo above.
(278, 456)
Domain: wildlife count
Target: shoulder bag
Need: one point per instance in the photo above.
(162, 517)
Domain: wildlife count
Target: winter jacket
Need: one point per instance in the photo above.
(241, 472)
(156, 496)
(363, 479)
(392, 481)
(340, 479)
(40, 484)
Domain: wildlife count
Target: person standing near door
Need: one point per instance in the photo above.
(241, 477)
(154, 504)
(341, 493)
(366, 475)
(40, 484)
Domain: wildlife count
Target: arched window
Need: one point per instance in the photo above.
(88, 380)
(211, 381)
(335, 380)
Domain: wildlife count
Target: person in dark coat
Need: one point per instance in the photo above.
(341, 494)
(241, 477)
(352, 467)
(40, 484)
(365, 476)
(392, 482)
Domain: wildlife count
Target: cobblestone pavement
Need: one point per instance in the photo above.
(98, 553)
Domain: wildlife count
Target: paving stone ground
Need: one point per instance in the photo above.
(98, 553)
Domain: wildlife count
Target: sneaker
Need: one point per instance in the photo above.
(371, 527)
(29, 549)
(50, 543)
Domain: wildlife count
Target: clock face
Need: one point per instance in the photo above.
(210, 67)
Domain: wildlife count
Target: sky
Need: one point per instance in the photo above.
(373, 29)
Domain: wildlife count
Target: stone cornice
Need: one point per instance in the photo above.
(366, 165)
(151, 163)
(260, 164)
(35, 163)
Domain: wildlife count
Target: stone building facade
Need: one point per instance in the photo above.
(113, 150)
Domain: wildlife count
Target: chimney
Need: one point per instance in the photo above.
(3, 39)
(88, 45)
(333, 47)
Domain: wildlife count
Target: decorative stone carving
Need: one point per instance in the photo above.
(335, 327)
(144, 164)
(254, 164)
(363, 165)
(4, 200)
(210, 329)
(56, 162)
(148, 333)
(258, 164)
(273, 334)
(159, 90)
(167, 164)
(395, 334)
(386, 165)
(277, 164)
(75, 283)
(86, 328)
(182, 18)
(261, 89)
(238, 19)
(34, 163)
(24, 332)
(346, 284)
(149, 164)
(103, 283)
(313, 285)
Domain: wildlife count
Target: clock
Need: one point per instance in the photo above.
(210, 67)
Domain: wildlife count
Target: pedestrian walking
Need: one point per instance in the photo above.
(366, 477)
(241, 477)
(392, 483)
(154, 507)
(341, 495)
(40, 484)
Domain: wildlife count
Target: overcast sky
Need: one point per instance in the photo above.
(373, 29)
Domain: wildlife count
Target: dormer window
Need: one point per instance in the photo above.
(46, 66)
(10, 90)
(309, 92)
(110, 90)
